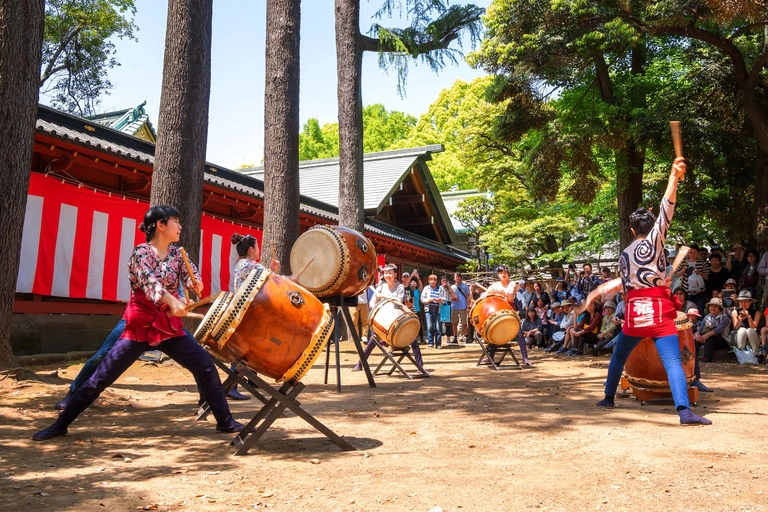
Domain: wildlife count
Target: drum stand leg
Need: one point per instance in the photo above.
(338, 313)
(501, 352)
(232, 378)
(280, 399)
(390, 355)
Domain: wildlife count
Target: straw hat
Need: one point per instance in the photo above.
(715, 302)
(555, 305)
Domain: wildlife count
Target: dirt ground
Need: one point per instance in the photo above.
(467, 438)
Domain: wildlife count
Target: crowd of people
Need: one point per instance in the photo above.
(719, 292)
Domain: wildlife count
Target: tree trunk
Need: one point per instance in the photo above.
(21, 39)
(281, 131)
(349, 69)
(629, 186)
(182, 133)
(761, 201)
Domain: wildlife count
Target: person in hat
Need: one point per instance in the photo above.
(713, 329)
(744, 322)
(607, 327)
(567, 321)
(524, 294)
(695, 318)
(729, 293)
(650, 309)
(555, 316)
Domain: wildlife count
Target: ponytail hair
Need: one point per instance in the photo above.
(243, 243)
(154, 215)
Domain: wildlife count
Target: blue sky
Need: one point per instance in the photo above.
(235, 131)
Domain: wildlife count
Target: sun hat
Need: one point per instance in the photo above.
(555, 305)
(566, 302)
(737, 246)
(715, 302)
(730, 280)
(746, 295)
(610, 304)
(693, 311)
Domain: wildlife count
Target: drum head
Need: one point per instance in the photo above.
(404, 334)
(502, 328)
(319, 255)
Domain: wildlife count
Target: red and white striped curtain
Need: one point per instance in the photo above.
(77, 242)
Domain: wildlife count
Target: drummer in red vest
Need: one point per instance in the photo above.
(651, 308)
(153, 321)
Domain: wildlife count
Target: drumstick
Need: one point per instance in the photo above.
(189, 267)
(202, 302)
(480, 286)
(195, 315)
(677, 140)
(303, 269)
(681, 254)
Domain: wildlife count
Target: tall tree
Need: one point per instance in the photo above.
(21, 36)
(79, 49)
(281, 130)
(428, 38)
(182, 133)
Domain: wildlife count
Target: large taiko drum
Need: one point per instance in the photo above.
(277, 327)
(494, 319)
(333, 260)
(203, 334)
(644, 368)
(394, 323)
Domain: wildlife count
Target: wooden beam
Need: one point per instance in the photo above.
(416, 221)
(407, 198)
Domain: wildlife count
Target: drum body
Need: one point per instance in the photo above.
(277, 327)
(644, 368)
(493, 318)
(204, 331)
(395, 323)
(333, 260)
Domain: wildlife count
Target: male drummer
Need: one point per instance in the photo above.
(509, 289)
(390, 288)
(651, 309)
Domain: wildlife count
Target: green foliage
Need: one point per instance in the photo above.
(78, 49)
(382, 130)
(434, 26)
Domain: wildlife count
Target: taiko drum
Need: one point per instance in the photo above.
(494, 319)
(644, 368)
(394, 323)
(274, 325)
(333, 260)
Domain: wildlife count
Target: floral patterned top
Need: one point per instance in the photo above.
(242, 269)
(155, 276)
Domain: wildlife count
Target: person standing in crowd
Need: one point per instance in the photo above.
(445, 309)
(650, 311)
(750, 277)
(413, 301)
(432, 296)
(539, 293)
(524, 295)
(459, 304)
(736, 262)
(561, 290)
(587, 281)
(153, 318)
(718, 274)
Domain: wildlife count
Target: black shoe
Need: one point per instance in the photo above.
(234, 394)
(49, 433)
(232, 426)
(64, 401)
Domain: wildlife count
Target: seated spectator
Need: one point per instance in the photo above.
(729, 293)
(695, 318)
(713, 330)
(608, 328)
(561, 290)
(587, 335)
(554, 317)
(744, 324)
(686, 304)
(605, 274)
(539, 293)
(565, 324)
(530, 330)
(542, 311)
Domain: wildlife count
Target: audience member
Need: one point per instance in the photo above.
(736, 262)
(744, 323)
(713, 329)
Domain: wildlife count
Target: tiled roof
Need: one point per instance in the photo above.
(77, 130)
(382, 174)
(129, 120)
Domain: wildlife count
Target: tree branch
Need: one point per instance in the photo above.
(64, 43)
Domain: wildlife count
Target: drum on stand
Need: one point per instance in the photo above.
(333, 260)
(274, 325)
(494, 319)
(644, 368)
(204, 330)
(394, 323)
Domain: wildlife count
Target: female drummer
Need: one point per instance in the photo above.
(650, 310)
(391, 288)
(153, 321)
(248, 250)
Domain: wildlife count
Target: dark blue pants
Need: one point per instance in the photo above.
(669, 350)
(90, 365)
(182, 349)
